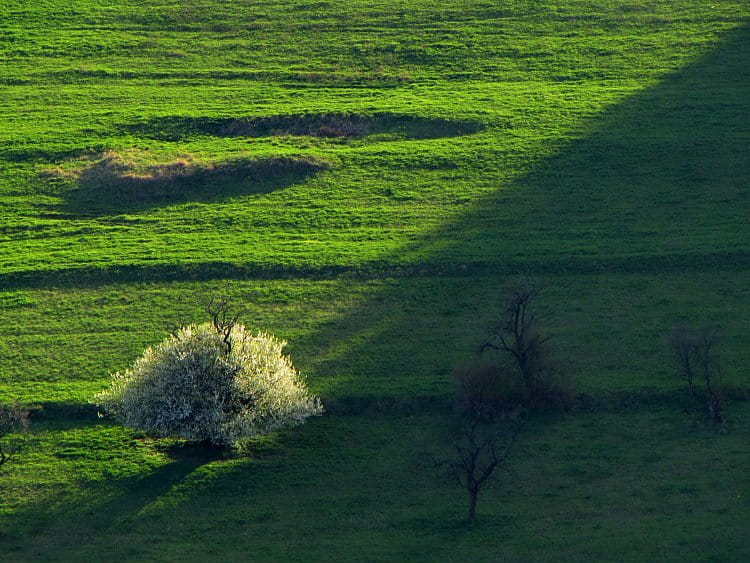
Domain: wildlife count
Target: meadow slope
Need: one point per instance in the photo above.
(601, 147)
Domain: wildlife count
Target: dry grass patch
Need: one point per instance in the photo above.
(119, 176)
(328, 125)
(322, 125)
(116, 179)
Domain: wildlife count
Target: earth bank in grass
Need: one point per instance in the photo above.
(113, 181)
(326, 125)
(200, 384)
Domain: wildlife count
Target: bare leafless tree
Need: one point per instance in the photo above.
(480, 447)
(706, 342)
(517, 334)
(13, 419)
(682, 341)
(483, 436)
(224, 320)
(696, 354)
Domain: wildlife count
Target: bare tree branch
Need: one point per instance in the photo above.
(518, 335)
(223, 320)
(13, 419)
(695, 353)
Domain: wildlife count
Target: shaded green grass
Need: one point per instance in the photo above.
(338, 489)
(392, 338)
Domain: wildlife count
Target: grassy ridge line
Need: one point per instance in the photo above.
(278, 78)
(437, 403)
(96, 276)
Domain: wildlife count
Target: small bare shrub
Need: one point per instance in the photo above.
(487, 387)
(13, 420)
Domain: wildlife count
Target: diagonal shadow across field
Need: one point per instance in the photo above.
(665, 173)
(658, 185)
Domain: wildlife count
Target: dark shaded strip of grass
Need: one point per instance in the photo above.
(332, 124)
(94, 276)
(35, 154)
(59, 411)
(611, 401)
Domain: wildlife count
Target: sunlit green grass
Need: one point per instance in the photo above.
(602, 150)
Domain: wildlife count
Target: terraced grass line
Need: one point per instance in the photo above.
(102, 276)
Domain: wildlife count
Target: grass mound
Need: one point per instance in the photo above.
(113, 181)
(324, 125)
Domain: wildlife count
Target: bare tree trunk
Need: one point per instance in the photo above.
(471, 515)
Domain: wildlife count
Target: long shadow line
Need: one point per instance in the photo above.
(95, 276)
(674, 154)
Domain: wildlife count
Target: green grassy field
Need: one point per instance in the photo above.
(601, 147)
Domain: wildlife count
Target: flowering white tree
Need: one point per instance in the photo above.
(211, 382)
